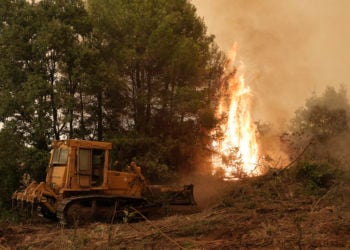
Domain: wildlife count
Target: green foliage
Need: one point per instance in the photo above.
(11, 154)
(315, 176)
(152, 155)
(15, 159)
(36, 162)
(325, 122)
(323, 116)
(42, 42)
(164, 56)
(154, 170)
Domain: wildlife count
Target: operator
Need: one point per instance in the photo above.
(137, 170)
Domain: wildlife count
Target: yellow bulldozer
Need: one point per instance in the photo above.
(80, 184)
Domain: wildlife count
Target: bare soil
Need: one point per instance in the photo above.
(269, 212)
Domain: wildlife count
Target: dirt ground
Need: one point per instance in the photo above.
(270, 212)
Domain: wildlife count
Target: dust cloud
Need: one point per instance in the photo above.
(290, 48)
(208, 190)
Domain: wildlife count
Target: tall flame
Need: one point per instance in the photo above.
(236, 149)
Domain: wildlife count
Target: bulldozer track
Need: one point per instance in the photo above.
(124, 201)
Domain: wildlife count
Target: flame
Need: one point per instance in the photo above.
(237, 148)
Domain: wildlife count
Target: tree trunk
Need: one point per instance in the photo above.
(82, 120)
(52, 71)
(70, 106)
(139, 98)
(99, 116)
(149, 104)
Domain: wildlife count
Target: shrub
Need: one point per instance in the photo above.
(315, 176)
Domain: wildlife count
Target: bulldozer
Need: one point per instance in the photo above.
(81, 185)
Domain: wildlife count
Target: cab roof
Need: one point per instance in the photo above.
(82, 144)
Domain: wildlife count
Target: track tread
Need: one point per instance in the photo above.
(65, 203)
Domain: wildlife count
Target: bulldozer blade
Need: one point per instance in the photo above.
(173, 195)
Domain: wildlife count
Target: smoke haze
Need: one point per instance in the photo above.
(290, 48)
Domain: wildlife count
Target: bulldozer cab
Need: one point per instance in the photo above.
(77, 164)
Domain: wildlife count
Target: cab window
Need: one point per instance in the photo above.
(84, 160)
(60, 156)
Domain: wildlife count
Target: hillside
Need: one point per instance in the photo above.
(294, 208)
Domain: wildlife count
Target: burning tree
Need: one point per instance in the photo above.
(236, 150)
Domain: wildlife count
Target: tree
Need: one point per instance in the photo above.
(61, 44)
(323, 116)
(167, 66)
(39, 68)
(163, 48)
(42, 70)
(11, 154)
(139, 71)
(325, 122)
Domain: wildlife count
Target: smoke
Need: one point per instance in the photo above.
(290, 48)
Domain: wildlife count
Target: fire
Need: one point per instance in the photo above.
(235, 141)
